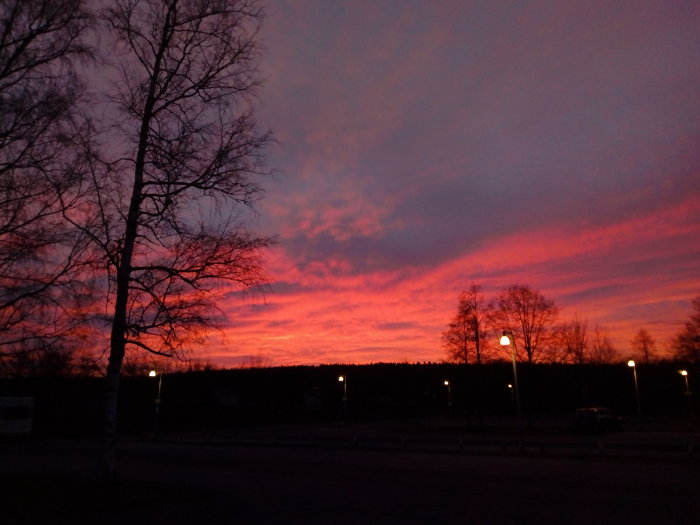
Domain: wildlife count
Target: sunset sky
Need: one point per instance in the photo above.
(424, 146)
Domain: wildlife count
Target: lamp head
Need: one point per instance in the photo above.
(505, 340)
(152, 373)
(631, 363)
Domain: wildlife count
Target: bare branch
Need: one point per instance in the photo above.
(140, 344)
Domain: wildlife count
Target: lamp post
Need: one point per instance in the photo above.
(344, 380)
(633, 366)
(506, 341)
(688, 395)
(684, 373)
(156, 419)
(449, 394)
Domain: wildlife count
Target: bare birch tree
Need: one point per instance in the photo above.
(167, 218)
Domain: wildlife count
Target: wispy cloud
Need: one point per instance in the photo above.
(426, 147)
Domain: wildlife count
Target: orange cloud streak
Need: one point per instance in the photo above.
(325, 313)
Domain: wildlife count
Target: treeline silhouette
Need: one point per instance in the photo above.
(536, 335)
(212, 399)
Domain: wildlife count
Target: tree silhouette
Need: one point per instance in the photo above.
(572, 340)
(43, 143)
(166, 217)
(466, 334)
(686, 344)
(601, 348)
(528, 316)
(644, 346)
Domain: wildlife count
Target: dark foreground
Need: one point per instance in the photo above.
(198, 483)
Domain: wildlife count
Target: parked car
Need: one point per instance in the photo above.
(595, 420)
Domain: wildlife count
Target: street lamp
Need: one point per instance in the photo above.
(344, 380)
(688, 395)
(156, 419)
(506, 341)
(633, 366)
(449, 393)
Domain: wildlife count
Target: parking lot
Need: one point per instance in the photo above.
(261, 478)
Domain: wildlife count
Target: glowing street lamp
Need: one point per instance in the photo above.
(156, 420)
(633, 366)
(344, 380)
(449, 393)
(688, 395)
(684, 373)
(506, 341)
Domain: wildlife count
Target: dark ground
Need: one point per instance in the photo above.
(379, 473)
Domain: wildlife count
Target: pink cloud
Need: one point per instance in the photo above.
(335, 315)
